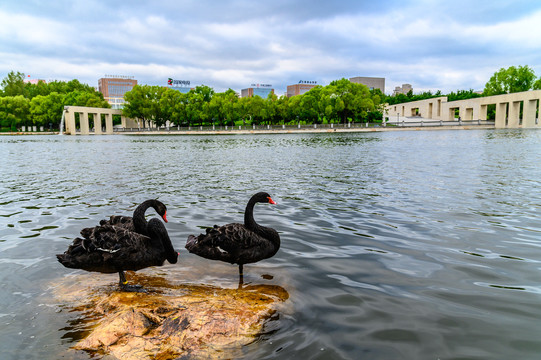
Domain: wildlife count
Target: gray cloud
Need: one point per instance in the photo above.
(231, 44)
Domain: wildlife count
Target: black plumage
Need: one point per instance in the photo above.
(238, 243)
(122, 243)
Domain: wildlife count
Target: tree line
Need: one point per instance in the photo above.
(504, 81)
(41, 104)
(340, 101)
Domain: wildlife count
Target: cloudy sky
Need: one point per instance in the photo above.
(433, 45)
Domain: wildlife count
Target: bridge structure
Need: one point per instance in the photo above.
(100, 116)
(516, 110)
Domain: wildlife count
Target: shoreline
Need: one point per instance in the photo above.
(273, 131)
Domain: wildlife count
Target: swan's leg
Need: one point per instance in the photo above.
(123, 283)
(241, 275)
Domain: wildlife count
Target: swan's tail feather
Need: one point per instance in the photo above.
(191, 243)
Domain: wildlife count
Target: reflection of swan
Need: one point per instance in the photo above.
(122, 243)
(175, 320)
(238, 243)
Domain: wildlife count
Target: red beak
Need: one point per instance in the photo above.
(164, 217)
(271, 201)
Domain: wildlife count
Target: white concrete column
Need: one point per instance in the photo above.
(514, 114)
(83, 118)
(109, 124)
(501, 112)
(530, 107)
(97, 124)
(69, 122)
(468, 114)
(483, 112)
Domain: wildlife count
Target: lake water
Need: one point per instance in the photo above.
(395, 245)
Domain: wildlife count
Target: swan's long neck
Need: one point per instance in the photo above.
(249, 220)
(139, 221)
(267, 233)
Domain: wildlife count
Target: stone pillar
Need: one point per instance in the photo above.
(109, 124)
(468, 114)
(69, 122)
(483, 112)
(83, 118)
(514, 114)
(501, 113)
(97, 124)
(530, 107)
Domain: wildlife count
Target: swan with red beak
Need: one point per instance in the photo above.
(237, 243)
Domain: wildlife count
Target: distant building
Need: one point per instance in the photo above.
(179, 85)
(300, 88)
(34, 81)
(371, 82)
(406, 88)
(113, 88)
(183, 90)
(262, 90)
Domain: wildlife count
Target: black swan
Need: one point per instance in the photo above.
(237, 243)
(122, 243)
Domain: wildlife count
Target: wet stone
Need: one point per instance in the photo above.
(169, 321)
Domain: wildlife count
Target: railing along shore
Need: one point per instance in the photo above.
(389, 124)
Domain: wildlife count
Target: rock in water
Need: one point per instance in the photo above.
(171, 321)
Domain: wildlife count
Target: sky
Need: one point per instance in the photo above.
(432, 45)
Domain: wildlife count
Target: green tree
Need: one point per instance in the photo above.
(45, 110)
(85, 98)
(14, 110)
(229, 108)
(510, 80)
(13, 84)
(138, 104)
(281, 106)
(172, 103)
(537, 84)
(243, 109)
(33, 90)
(257, 109)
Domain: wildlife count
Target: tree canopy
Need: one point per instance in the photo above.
(22, 103)
(340, 101)
(41, 104)
(511, 80)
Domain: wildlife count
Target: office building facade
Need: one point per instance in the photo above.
(114, 87)
(299, 89)
(259, 91)
(371, 82)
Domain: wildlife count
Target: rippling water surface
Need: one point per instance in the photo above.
(395, 245)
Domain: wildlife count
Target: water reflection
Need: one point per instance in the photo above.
(392, 243)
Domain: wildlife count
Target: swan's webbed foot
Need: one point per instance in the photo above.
(132, 288)
(124, 286)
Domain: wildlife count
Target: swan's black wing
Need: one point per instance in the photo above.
(119, 220)
(232, 243)
(110, 249)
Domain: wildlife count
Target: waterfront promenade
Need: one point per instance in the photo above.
(406, 124)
